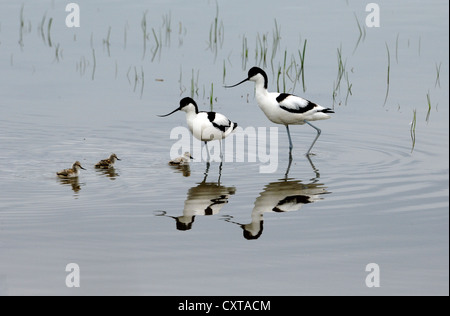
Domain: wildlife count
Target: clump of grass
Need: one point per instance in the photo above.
(144, 33)
(388, 74)
(244, 53)
(216, 33)
(181, 32)
(438, 75)
(429, 107)
(278, 78)
(167, 25)
(211, 97)
(82, 65)
(21, 27)
(142, 81)
(58, 53)
(41, 27)
(261, 50)
(362, 34)
(180, 81)
(349, 88)
(413, 130)
(138, 77)
(94, 63)
(224, 72)
(284, 71)
(158, 44)
(340, 74)
(341, 68)
(276, 41)
(92, 40)
(302, 64)
(49, 26)
(194, 84)
(107, 43)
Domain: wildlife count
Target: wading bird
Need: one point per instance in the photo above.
(283, 108)
(205, 126)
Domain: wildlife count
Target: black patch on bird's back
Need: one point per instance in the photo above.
(299, 110)
(211, 116)
(222, 128)
(282, 97)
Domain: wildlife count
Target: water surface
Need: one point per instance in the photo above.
(370, 194)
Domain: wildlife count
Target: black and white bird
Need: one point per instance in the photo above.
(205, 126)
(283, 108)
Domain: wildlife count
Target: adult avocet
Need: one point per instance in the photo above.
(284, 108)
(72, 172)
(205, 126)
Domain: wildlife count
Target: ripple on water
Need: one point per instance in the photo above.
(380, 169)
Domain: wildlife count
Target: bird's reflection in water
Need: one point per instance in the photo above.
(207, 198)
(108, 172)
(284, 195)
(72, 182)
(184, 169)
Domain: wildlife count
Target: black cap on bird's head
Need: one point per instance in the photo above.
(183, 104)
(252, 76)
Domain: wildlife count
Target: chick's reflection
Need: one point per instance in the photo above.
(108, 172)
(72, 182)
(283, 196)
(204, 199)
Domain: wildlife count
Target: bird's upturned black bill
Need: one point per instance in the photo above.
(238, 83)
(169, 113)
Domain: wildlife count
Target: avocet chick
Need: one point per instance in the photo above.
(71, 173)
(183, 160)
(107, 163)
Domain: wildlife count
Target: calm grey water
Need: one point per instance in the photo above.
(370, 194)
